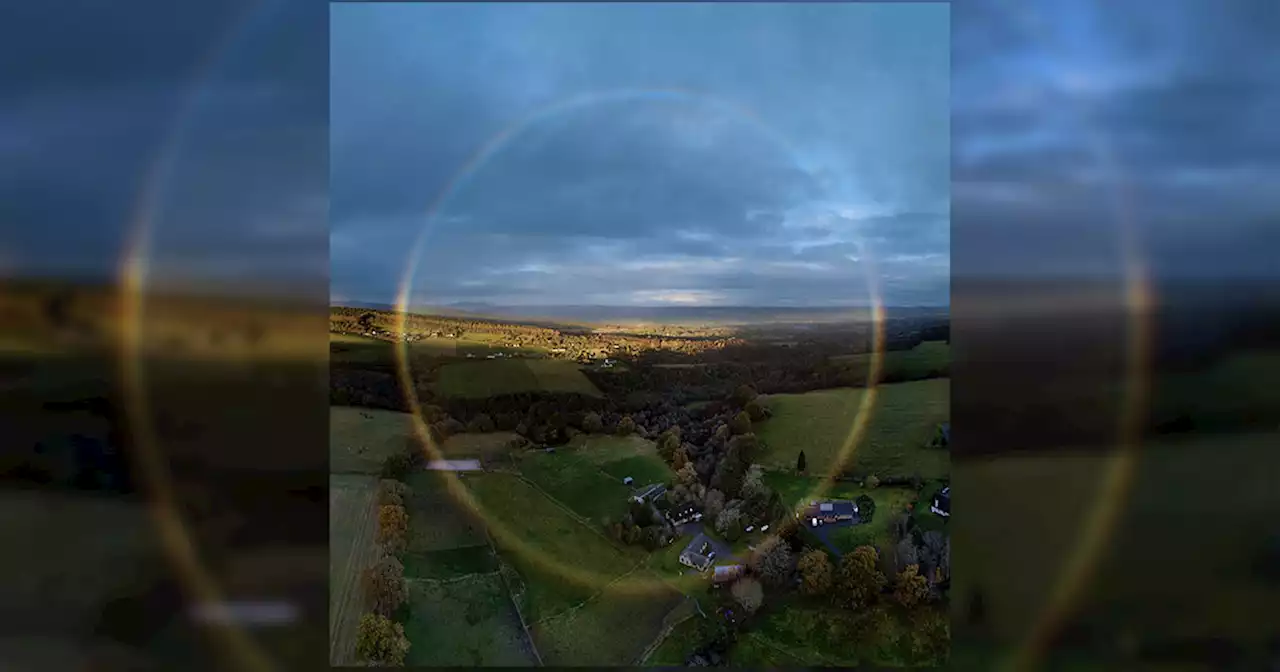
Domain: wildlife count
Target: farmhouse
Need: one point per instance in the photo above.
(698, 554)
(727, 573)
(650, 492)
(453, 465)
(684, 514)
(942, 503)
(832, 511)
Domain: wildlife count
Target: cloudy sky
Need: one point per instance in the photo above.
(1066, 119)
(733, 154)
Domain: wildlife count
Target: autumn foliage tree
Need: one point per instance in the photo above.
(859, 579)
(626, 426)
(773, 561)
(381, 642)
(393, 525)
(384, 585)
(817, 575)
(392, 492)
(741, 424)
(911, 588)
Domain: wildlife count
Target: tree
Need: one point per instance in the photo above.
(755, 410)
(911, 588)
(381, 642)
(687, 475)
(930, 638)
(744, 395)
(591, 423)
(679, 458)
(366, 321)
(668, 444)
(730, 518)
(393, 524)
(481, 424)
(859, 580)
(748, 592)
(753, 486)
(396, 466)
(866, 507)
(626, 426)
(816, 573)
(384, 585)
(873, 482)
(773, 561)
(392, 492)
(740, 424)
(722, 432)
(907, 555)
(713, 504)
(801, 466)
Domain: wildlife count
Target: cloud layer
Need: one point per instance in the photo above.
(653, 154)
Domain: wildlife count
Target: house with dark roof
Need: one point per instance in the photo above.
(828, 512)
(941, 504)
(698, 554)
(684, 514)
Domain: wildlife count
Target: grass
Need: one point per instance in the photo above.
(578, 483)
(436, 521)
(535, 524)
(1197, 518)
(678, 644)
(488, 378)
(643, 468)
(464, 623)
(904, 419)
(451, 563)
(611, 629)
(927, 359)
(360, 439)
(351, 530)
(486, 445)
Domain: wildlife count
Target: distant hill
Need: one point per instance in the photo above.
(664, 314)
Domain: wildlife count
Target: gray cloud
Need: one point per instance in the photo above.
(752, 134)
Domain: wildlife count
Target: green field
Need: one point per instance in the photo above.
(1200, 507)
(611, 629)
(436, 521)
(493, 377)
(535, 524)
(351, 549)
(928, 359)
(576, 482)
(678, 644)
(464, 623)
(622, 456)
(904, 419)
(360, 444)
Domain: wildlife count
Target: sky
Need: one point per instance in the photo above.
(662, 154)
(1066, 122)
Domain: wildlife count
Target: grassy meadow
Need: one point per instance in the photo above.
(927, 359)
(470, 622)
(904, 419)
(609, 629)
(361, 439)
(494, 377)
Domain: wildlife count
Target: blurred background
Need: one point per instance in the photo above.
(163, 359)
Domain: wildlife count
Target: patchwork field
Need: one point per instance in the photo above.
(928, 359)
(351, 548)
(904, 419)
(464, 623)
(1021, 519)
(477, 380)
(536, 524)
(610, 629)
(360, 439)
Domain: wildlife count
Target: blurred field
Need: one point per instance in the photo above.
(929, 359)
(1184, 562)
(904, 419)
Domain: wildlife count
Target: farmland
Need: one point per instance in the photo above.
(930, 359)
(468, 622)
(351, 529)
(361, 439)
(904, 419)
(610, 629)
(488, 378)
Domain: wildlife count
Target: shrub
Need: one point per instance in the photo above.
(381, 642)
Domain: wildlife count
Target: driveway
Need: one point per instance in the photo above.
(723, 551)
